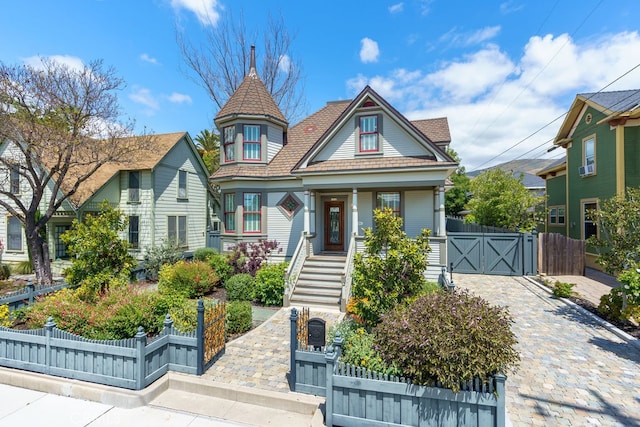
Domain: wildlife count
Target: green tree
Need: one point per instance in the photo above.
(208, 144)
(64, 124)
(390, 270)
(500, 199)
(456, 198)
(101, 257)
(618, 242)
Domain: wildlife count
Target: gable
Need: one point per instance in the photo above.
(396, 136)
(394, 140)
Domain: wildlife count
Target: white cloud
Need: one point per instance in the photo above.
(284, 65)
(144, 97)
(73, 62)
(369, 51)
(180, 98)
(147, 58)
(494, 101)
(455, 38)
(510, 6)
(396, 8)
(205, 10)
(425, 7)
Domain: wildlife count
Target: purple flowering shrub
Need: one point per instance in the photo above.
(247, 257)
(447, 337)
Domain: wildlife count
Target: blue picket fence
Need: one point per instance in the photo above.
(359, 397)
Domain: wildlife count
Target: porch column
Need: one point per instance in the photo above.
(312, 212)
(306, 212)
(354, 212)
(442, 220)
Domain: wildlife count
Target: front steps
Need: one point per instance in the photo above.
(320, 282)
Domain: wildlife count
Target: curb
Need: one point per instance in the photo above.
(77, 389)
(635, 342)
(291, 402)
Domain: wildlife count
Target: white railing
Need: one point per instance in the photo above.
(346, 274)
(295, 266)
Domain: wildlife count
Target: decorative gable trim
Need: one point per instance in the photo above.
(369, 95)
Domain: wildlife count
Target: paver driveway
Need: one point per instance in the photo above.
(573, 371)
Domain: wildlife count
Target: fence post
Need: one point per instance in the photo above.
(31, 290)
(168, 324)
(500, 406)
(292, 348)
(200, 339)
(330, 358)
(141, 344)
(337, 344)
(47, 352)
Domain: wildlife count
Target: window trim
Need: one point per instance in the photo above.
(376, 133)
(8, 241)
(229, 144)
(554, 212)
(246, 212)
(176, 238)
(14, 180)
(286, 212)
(585, 141)
(257, 142)
(583, 218)
(181, 173)
(229, 213)
(136, 232)
(398, 212)
(130, 198)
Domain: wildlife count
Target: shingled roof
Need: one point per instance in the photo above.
(437, 130)
(159, 146)
(251, 98)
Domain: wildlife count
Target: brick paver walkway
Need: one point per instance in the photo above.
(573, 372)
(260, 358)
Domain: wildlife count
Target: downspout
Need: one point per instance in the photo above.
(620, 170)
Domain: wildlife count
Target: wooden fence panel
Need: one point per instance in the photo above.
(559, 255)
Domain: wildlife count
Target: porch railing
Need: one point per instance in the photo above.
(295, 266)
(346, 274)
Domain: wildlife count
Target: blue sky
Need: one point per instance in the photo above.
(499, 70)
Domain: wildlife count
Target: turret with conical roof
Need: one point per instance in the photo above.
(251, 99)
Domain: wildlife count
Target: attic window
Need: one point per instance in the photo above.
(368, 103)
(289, 205)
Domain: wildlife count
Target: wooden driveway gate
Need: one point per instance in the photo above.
(507, 254)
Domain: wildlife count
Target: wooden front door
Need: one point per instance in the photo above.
(334, 226)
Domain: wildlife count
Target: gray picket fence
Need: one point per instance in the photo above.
(28, 294)
(132, 363)
(359, 397)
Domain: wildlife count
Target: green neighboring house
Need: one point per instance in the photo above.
(601, 136)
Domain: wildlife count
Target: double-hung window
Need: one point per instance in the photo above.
(14, 184)
(230, 212)
(182, 184)
(556, 215)
(251, 213)
(229, 143)
(177, 229)
(134, 231)
(369, 134)
(134, 186)
(14, 234)
(390, 200)
(251, 142)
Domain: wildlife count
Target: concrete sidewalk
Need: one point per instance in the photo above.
(24, 407)
(591, 286)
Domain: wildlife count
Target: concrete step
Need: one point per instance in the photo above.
(320, 276)
(305, 300)
(314, 290)
(331, 266)
(328, 258)
(325, 284)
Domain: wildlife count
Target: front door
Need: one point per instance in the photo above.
(334, 226)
